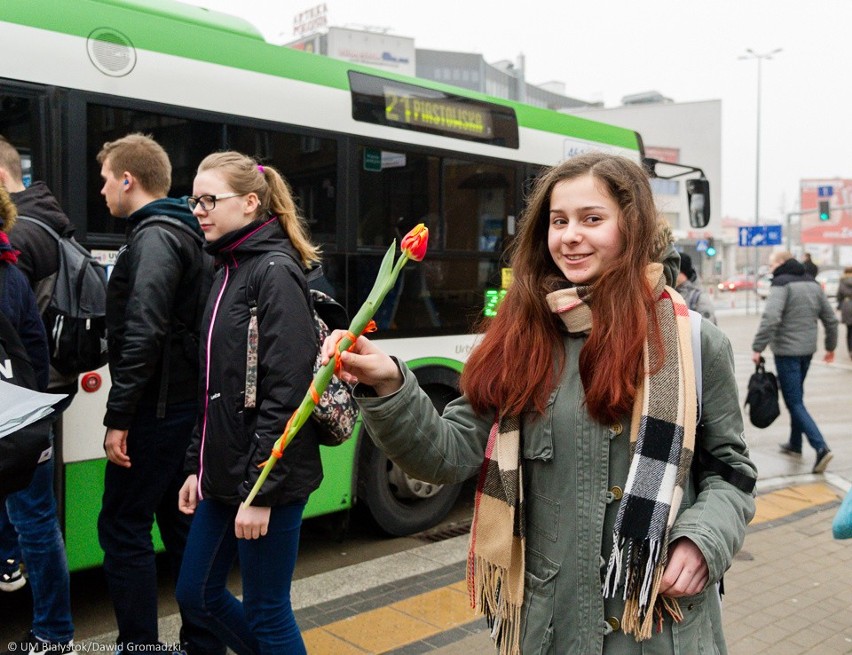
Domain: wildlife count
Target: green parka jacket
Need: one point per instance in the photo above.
(575, 470)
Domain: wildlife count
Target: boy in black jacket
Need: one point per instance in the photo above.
(152, 323)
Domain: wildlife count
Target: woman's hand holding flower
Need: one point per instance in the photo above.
(365, 363)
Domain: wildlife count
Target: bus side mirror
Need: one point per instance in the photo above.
(698, 194)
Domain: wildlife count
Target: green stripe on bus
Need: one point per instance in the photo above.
(335, 493)
(162, 27)
(86, 479)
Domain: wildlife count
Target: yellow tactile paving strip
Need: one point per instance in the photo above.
(393, 626)
(784, 502)
(426, 615)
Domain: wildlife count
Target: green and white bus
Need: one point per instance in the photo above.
(368, 153)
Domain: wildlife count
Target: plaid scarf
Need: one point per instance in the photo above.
(662, 439)
(495, 561)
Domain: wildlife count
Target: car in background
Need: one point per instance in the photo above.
(829, 280)
(737, 283)
(764, 282)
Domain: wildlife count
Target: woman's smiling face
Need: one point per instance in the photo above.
(584, 237)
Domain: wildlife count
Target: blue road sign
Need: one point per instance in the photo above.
(701, 245)
(825, 191)
(760, 235)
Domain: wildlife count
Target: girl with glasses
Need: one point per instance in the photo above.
(257, 356)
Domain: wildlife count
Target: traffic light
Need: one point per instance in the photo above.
(824, 210)
(711, 249)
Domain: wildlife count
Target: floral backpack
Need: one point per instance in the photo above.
(336, 412)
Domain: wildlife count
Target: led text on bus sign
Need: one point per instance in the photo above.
(437, 113)
(403, 106)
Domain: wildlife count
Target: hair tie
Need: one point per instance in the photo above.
(260, 168)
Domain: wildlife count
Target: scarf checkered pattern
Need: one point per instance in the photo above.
(495, 563)
(662, 441)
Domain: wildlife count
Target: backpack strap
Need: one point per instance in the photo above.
(252, 338)
(695, 324)
(703, 460)
(42, 225)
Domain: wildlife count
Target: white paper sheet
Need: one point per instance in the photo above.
(19, 406)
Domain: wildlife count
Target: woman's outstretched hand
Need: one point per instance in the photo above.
(365, 363)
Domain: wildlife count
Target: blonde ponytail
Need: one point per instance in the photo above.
(281, 204)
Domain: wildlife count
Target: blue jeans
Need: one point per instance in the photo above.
(133, 498)
(9, 548)
(263, 623)
(791, 378)
(33, 513)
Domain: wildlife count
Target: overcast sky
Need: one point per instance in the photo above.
(687, 50)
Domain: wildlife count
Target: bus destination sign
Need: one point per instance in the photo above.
(402, 106)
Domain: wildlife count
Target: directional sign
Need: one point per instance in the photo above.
(760, 235)
(825, 191)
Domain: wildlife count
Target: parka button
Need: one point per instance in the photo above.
(614, 623)
(616, 429)
(617, 492)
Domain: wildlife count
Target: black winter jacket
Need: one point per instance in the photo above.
(155, 294)
(17, 303)
(232, 441)
(38, 256)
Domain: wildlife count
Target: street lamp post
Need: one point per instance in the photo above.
(751, 54)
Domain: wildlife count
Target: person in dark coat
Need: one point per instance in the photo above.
(32, 510)
(259, 299)
(38, 260)
(690, 288)
(844, 304)
(808, 264)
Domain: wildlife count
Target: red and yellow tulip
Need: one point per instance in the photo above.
(413, 247)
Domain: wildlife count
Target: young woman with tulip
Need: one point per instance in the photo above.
(258, 304)
(592, 533)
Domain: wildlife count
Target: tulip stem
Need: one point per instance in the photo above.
(385, 281)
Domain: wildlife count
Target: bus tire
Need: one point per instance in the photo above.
(401, 505)
(401, 515)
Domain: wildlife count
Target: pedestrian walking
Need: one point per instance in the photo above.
(578, 413)
(153, 320)
(258, 304)
(809, 265)
(794, 307)
(844, 304)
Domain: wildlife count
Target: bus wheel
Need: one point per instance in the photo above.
(402, 505)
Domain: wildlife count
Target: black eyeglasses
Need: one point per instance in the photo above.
(208, 200)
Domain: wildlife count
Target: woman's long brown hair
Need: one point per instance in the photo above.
(520, 358)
